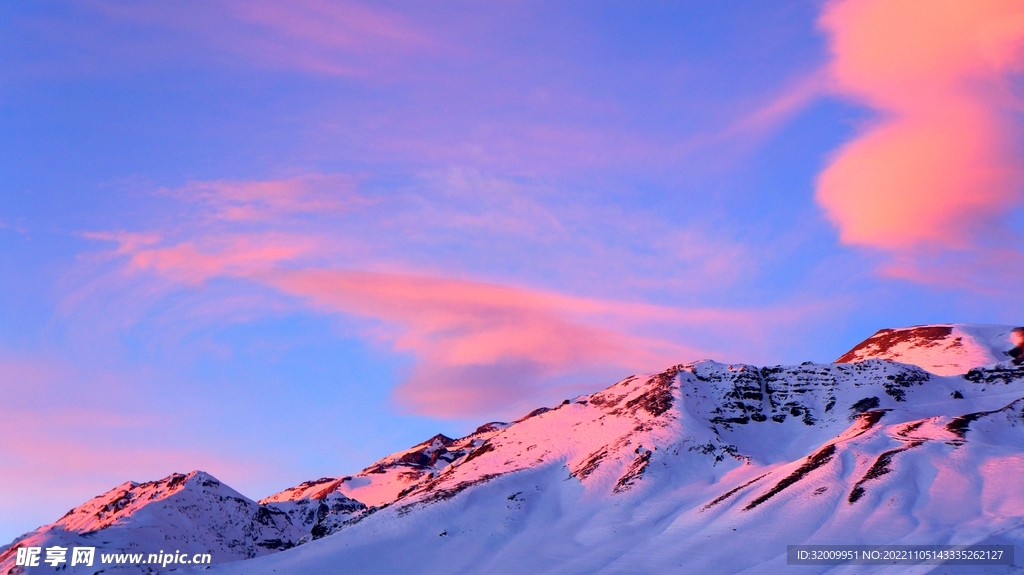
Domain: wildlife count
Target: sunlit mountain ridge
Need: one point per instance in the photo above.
(708, 466)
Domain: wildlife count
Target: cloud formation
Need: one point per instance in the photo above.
(481, 347)
(478, 345)
(942, 161)
(272, 199)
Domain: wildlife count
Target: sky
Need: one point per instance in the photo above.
(277, 241)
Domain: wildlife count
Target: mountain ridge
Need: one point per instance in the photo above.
(728, 440)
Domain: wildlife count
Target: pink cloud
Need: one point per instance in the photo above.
(186, 262)
(942, 162)
(314, 36)
(992, 270)
(480, 345)
(475, 345)
(273, 199)
(327, 37)
(343, 25)
(776, 111)
(219, 255)
(52, 464)
(128, 242)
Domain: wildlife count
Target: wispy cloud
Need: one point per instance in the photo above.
(312, 194)
(481, 346)
(14, 228)
(210, 256)
(774, 113)
(312, 36)
(515, 113)
(989, 270)
(478, 345)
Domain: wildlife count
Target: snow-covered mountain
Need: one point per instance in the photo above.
(709, 468)
(704, 468)
(945, 349)
(193, 513)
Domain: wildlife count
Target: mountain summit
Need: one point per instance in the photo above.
(945, 349)
(191, 511)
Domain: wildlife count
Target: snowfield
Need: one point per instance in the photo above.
(702, 468)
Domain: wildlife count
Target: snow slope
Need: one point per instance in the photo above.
(710, 468)
(390, 477)
(945, 349)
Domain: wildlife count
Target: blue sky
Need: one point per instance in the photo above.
(278, 241)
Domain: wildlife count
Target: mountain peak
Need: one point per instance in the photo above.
(129, 497)
(943, 349)
(192, 512)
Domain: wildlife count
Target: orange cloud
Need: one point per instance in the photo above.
(942, 161)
